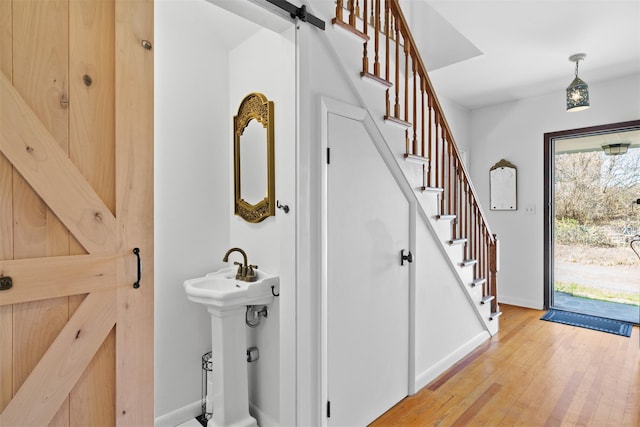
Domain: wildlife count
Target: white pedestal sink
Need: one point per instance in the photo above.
(226, 299)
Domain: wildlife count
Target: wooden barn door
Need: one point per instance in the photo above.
(76, 197)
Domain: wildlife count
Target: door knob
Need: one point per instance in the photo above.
(405, 257)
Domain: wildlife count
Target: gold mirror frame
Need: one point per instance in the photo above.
(255, 106)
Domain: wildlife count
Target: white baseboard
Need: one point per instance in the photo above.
(434, 371)
(180, 415)
(263, 419)
(192, 410)
(520, 302)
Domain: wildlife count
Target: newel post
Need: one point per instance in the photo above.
(494, 266)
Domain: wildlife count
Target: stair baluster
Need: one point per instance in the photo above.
(376, 62)
(433, 141)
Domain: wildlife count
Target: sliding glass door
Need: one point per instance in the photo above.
(592, 187)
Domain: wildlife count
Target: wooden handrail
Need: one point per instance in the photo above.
(399, 16)
(430, 137)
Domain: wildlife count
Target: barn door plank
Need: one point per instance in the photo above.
(34, 153)
(6, 216)
(6, 208)
(35, 326)
(6, 171)
(92, 400)
(40, 75)
(134, 204)
(92, 150)
(92, 93)
(50, 382)
(5, 38)
(6, 355)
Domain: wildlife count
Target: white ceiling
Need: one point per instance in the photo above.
(524, 46)
(483, 52)
(229, 23)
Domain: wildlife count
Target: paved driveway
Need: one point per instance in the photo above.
(622, 278)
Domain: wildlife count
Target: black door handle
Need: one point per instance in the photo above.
(408, 257)
(136, 252)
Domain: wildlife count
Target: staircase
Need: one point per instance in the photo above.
(414, 120)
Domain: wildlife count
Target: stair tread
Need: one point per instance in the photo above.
(377, 79)
(457, 241)
(432, 189)
(487, 298)
(495, 315)
(445, 217)
(415, 158)
(345, 26)
(478, 281)
(397, 121)
(468, 262)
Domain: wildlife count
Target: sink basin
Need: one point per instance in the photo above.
(221, 290)
(225, 299)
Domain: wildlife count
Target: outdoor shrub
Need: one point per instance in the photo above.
(569, 231)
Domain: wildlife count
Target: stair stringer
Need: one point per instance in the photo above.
(407, 174)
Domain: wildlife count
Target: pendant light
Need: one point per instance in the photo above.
(578, 90)
(616, 149)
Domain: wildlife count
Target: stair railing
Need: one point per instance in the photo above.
(395, 62)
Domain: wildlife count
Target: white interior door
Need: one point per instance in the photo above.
(367, 289)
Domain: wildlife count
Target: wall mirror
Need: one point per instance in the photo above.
(503, 183)
(254, 158)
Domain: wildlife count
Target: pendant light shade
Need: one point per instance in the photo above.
(616, 149)
(578, 90)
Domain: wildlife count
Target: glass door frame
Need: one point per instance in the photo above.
(549, 193)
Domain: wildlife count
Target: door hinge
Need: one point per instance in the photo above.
(328, 155)
(328, 409)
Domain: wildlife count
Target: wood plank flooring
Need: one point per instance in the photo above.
(533, 373)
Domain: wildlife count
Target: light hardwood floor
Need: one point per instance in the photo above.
(533, 373)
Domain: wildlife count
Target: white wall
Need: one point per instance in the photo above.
(514, 131)
(192, 125)
(199, 85)
(445, 320)
(459, 120)
(265, 63)
(447, 328)
(429, 30)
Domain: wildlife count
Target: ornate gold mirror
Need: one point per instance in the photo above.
(254, 164)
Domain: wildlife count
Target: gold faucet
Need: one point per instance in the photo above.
(246, 271)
